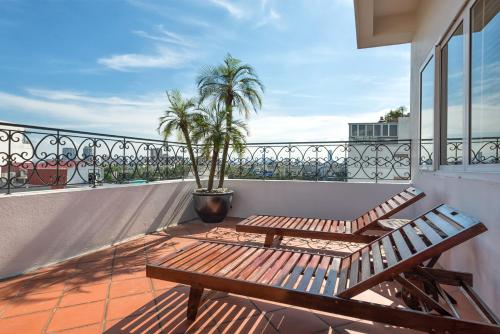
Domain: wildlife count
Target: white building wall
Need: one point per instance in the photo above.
(404, 128)
(476, 193)
(42, 227)
(81, 175)
(49, 226)
(339, 200)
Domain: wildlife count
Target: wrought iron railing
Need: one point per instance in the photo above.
(324, 161)
(484, 150)
(34, 157)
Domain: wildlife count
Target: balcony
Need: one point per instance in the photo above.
(84, 213)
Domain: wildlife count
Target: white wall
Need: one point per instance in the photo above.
(38, 228)
(476, 193)
(49, 226)
(338, 200)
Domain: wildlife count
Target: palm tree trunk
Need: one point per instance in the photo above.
(229, 121)
(213, 167)
(192, 157)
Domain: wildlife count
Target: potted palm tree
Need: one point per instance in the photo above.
(210, 129)
(210, 123)
(178, 119)
(231, 85)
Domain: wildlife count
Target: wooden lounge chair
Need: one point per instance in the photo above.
(328, 283)
(340, 230)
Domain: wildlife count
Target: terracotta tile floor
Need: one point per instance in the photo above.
(108, 292)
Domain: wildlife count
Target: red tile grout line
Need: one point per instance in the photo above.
(265, 314)
(54, 309)
(323, 321)
(106, 301)
(154, 292)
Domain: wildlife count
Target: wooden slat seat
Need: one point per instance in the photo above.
(330, 229)
(328, 283)
(392, 224)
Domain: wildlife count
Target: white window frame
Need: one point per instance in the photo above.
(431, 56)
(354, 126)
(463, 16)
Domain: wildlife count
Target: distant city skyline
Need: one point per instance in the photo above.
(105, 66)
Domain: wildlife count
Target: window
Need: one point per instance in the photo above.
(427, 113)
(361, 130)
(369, 130)
(385, 130)
(393, 130)
(354, 130)
(468, 63)
(452, 98)
(485, 82)
(376, 130)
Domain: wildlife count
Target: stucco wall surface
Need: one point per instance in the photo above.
(474, 192)
(43, 227)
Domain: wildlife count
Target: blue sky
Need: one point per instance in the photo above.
(105, 65)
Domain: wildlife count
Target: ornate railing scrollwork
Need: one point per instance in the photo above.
(484, 150)
(34, 157)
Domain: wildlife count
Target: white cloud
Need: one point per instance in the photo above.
(168, 11)
(138, 116)
(265, 14)
(164, 36)
(172, 51)
(233, 9)
(63, 95)
(163, 58)
(272, 17)
(305, 128)
(109, 114)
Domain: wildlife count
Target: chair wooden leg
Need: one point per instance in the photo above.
(269, 240)
(277, 240)
(195, 294)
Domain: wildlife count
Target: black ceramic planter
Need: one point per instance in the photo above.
(212, 207)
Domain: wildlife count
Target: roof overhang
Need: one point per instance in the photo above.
(384, 22)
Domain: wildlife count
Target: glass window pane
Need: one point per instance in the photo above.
(393, 130)
(386, 130)
(377, 130)
(453, 89)
(369, 130)
(485, 82)
(361, 130)
(427, 113)
(354, 130)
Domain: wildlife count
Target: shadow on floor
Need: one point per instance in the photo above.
(167, 314)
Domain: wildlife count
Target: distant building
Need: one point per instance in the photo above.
(367, 159)
(381, 130)
(87, 152)
(58, 175)
(69, 153)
